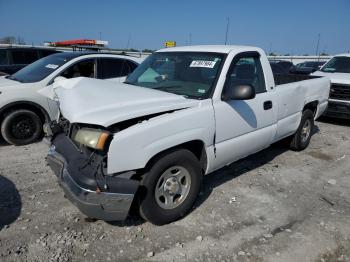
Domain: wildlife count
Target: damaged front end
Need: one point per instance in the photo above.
(81, 172)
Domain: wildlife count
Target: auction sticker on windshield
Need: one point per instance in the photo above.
(203, 63)
(52, 66)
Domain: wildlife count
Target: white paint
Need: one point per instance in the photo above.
(13, 91)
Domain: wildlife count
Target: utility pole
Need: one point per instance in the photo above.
(318, 44)
(190, 38)
(227, 25)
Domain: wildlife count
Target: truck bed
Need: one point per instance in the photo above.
(281, 79)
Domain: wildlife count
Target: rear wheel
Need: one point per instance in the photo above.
(21, 127)
(170, 187)
(301, 139)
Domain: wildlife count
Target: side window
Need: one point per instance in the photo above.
(248, 71)
(112, 67)
(24, 56)
(84, 68)
(3, 57)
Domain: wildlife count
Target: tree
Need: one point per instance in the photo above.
(324, 54)
(146, 50)
(12, 40)
(8, 40)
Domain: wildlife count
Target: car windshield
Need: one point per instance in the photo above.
(339, 64)
(190, 74)
(41, 68)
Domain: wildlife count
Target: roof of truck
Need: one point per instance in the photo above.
(210, 48)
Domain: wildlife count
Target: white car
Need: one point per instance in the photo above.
(183, 113)
(338, 70)
(23, 110)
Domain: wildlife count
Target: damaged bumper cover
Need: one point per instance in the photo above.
(80, 183)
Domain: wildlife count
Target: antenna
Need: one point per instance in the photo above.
(100, 35)
(227, 25)
(190, 39)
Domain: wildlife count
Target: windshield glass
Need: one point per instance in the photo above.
(339, 64)
(191, 74)
(40, 69)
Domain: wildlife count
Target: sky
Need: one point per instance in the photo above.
(280, 26)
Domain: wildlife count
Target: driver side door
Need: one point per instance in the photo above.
(244, 126)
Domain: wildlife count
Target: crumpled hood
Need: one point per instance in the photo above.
(336, 78)
(100, 102)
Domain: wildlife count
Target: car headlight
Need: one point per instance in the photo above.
(92, 138)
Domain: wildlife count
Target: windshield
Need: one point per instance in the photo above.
(191, 74)
(40, 69)
(339, 64)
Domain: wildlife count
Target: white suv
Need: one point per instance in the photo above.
(23, 110)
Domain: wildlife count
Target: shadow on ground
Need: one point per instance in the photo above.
(10, 202)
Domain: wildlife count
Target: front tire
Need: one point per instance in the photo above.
(21, 127)
(171, 187)
(301, 138)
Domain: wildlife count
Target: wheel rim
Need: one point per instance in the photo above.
(23, 127)
(173, 187)
(305, 131)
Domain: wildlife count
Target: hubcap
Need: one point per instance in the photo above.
(22, 128)
(173, 187)
(305, 131)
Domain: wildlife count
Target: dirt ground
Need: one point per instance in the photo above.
(276, 205)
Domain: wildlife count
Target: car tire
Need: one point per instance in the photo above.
(170, 187)
(21, 127)
(301, 139)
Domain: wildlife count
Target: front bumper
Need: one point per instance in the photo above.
(107, 198)
(338, 109)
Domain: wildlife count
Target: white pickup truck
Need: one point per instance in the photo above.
(338, 70)
(183, 113)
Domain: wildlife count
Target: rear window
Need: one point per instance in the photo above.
(3, 57)
(24, 56)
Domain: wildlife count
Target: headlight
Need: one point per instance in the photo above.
(93, 138)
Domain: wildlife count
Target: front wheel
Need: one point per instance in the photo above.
(301, 138)
(171, 187)
(21, 127)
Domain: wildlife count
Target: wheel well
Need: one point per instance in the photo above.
(311, 106)
(24, 105)
(195, 146)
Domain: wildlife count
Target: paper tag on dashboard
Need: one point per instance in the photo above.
(52, 66)
(203, 63)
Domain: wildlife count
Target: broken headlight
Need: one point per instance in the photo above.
(93, 138)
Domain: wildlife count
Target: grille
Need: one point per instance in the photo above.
(340, 92)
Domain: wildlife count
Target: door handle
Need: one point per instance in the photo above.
(267, 105)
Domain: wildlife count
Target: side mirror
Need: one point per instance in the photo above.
(239, 92)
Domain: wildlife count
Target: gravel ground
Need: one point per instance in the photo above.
(276, 205)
